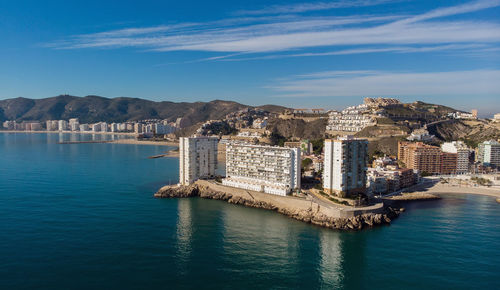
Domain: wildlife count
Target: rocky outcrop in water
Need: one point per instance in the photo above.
(309, 216)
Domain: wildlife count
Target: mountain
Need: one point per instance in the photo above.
(91, 109)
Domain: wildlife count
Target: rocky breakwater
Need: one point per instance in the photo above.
(309, 214)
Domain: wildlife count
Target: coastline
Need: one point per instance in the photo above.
(69, 132)
(303, 209)
(443, 189)
(145, 142)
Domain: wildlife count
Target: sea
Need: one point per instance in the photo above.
(83, 216)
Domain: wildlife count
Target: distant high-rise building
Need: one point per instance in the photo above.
(84, 127)
(345, 164)
(52, 125)
(198, 158)
(62, 125)
(489, 153)
(104, 127)
(463, 153)
(114, 127)
(138, 128)
(74, 124)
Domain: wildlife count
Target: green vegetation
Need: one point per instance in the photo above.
(306, 163)
(277, 139)
(482, 181)
(221, 128)
(318, 145)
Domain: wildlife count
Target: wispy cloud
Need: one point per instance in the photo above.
(371, 83)
(317, 6)
(270, 34)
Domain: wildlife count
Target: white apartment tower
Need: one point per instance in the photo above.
(269, 169)
(459, 148)
(344, 170)
(198, 158)
(74, 124)
(489, 153)
(63, 125)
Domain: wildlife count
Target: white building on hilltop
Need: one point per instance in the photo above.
(198, 158)
(269, 169)
(351, 119)
(344, 170)
(462, 152)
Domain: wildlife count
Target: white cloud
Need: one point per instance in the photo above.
(372, 83)
(306, 7)
(289, 33)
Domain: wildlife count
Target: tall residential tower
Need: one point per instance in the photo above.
(345, 164)
(198, 158)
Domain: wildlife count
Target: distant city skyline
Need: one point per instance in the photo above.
(326, 54)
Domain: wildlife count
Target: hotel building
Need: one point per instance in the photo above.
(198, 158)
(344, 170)
(269, 169)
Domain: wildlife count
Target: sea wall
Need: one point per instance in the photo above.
(302, 209)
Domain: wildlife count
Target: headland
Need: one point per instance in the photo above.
(306, 209)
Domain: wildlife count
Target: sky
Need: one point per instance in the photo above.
(315, 54)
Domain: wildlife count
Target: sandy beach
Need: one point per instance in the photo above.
(480, 190)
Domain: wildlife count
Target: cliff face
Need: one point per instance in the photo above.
(309, 216)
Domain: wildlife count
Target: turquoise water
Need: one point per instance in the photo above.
(82, 217)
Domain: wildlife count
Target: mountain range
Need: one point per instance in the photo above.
(91, 109)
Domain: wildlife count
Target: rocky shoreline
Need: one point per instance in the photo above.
(310, 215)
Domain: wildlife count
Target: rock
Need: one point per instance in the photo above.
(309, 216)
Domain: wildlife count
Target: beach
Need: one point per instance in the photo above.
(479, 190)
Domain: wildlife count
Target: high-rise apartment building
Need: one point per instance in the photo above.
(74, 124)
(52, 125)
(198, 158)
(426, 158)
(269, 169)
(63, 125)
(463, 153)
(489, 153)
(344, 170)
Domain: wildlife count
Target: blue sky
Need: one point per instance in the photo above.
(301, 54)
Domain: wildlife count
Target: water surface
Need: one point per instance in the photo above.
(82, 216)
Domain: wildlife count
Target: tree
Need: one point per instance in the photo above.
(306, 163)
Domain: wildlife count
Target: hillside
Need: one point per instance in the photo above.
(471, 131)
(296, 128)
(92, 109)
(417, 111)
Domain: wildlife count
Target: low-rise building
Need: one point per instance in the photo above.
(269, 169)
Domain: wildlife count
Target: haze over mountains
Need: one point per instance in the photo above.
(92, 109)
